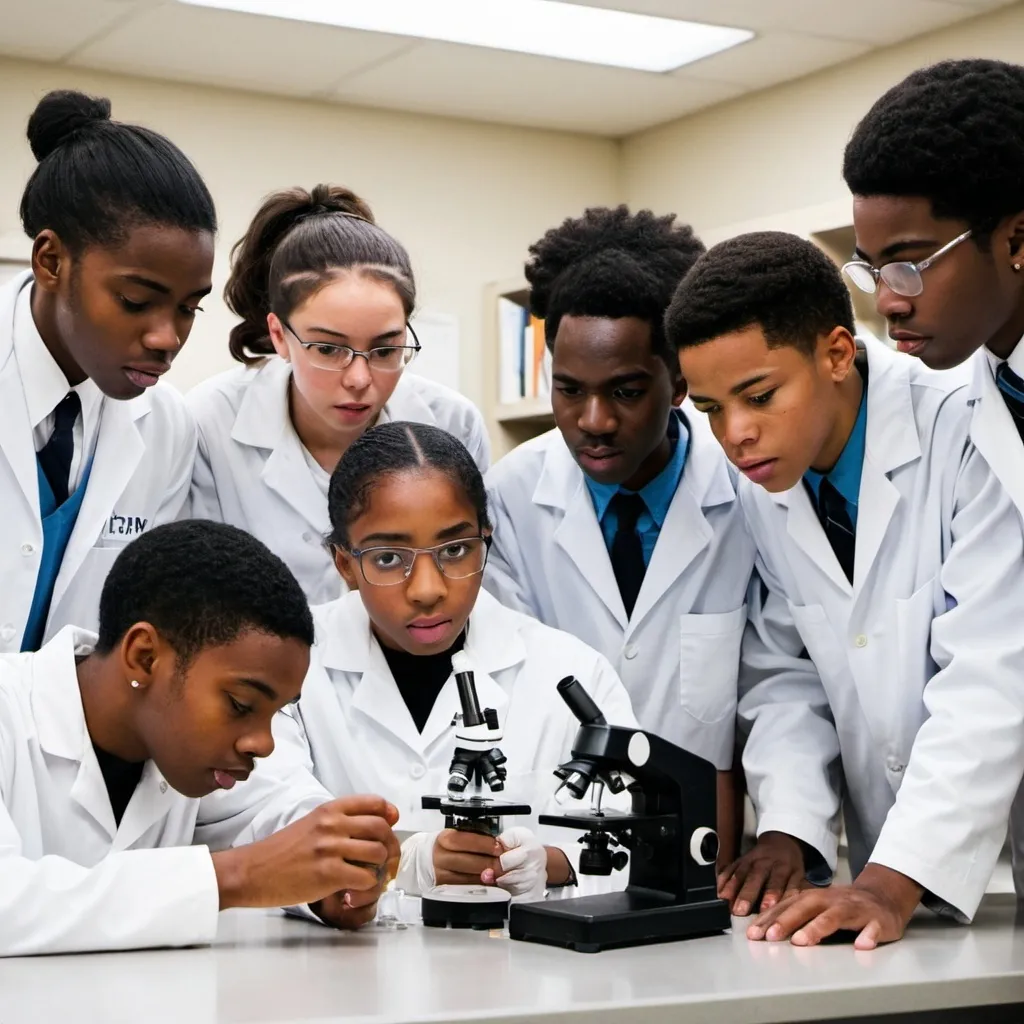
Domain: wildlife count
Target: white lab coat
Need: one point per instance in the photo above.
(353, 728)
(678, 654)
(251, 470)
(994, 433)
(70, 879)
(915, 693)
(140, 477)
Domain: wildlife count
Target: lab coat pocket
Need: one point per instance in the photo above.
(709, 663)
(914, 617)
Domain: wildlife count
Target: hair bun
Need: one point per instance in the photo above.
(59, 115)
(338, 199)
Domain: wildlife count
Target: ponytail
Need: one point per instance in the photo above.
(295, 245)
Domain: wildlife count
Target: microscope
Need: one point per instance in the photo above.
(476, 763)
(668, 838)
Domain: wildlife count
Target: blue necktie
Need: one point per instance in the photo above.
(55, 456)
(1012, 388)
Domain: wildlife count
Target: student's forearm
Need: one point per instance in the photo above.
(730, 815)
(135, 899)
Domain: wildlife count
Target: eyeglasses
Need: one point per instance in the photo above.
(456, 559)
(902, 278)
(385, 358)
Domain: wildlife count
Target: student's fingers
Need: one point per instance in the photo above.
(469, 842)
(775, 887)
(367, 826)
(355, 899)
(368, 852)
(466, 863)
(869, 936)
(728, 882)
(444, 877)
(365, 803)
(789, 916)
(828, 922)
(752, 887)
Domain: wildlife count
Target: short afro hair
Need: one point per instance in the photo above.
(201, 584)
(611, 263)
(952, 133)
(770, 279)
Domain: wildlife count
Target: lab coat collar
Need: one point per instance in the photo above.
(62, 730)
(892, 441)
(16, 425)
(493, 643)
(706, 482)
(264, 421)
(993, 430)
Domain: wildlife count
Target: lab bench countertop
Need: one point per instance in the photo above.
(268, 969)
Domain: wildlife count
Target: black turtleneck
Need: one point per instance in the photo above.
(421, 677)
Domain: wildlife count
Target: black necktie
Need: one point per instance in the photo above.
(838, 527)
(627, 549)
(1012, 388)
(55, 457)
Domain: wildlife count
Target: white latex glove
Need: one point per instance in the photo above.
(416, 868)
(525, 864)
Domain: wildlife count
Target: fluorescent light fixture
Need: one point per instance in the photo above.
(548, 28)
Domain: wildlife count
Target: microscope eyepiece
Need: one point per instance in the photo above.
(581, 704)
(463, 669)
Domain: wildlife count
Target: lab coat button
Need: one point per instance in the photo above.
(7, 633)
(860, 640)
(631, 651)
(894, 766)
(417, 771)
(163, 787)
(28, 549)
(308, 537)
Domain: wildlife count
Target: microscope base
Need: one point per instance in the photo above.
(613, 920)
(480, 907)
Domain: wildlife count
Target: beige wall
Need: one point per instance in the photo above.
(774, 159)
(466, 199)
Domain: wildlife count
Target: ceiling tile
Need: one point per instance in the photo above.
(772, 58)
(269, 54)
(514, 88)
(50, 29)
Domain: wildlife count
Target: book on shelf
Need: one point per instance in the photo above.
(524, 361)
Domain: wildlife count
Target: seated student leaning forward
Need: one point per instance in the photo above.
(883, 663)
(127, 814)
(410, 532)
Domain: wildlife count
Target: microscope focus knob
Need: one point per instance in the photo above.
(704, 846)
(619, 860)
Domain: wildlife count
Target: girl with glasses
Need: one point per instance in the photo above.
(325, 296)
(410, 531)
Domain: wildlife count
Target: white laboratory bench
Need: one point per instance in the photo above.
(266, 969)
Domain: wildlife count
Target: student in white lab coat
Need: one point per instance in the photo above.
(93, 449)
(663, 597)
(882, 666)
(126, 816)
(325, 297)
(936, 168)
(410, 533)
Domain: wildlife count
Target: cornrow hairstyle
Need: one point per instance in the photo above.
(611, 263)
(770, 279)
(952, 133)
(201, 584)
(97, 178)
(392, 448)
(296, 244)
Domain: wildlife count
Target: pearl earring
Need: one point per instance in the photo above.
(1016, 266)
(135, 684)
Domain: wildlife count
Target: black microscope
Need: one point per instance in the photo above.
(669, 834)
(476, 763)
